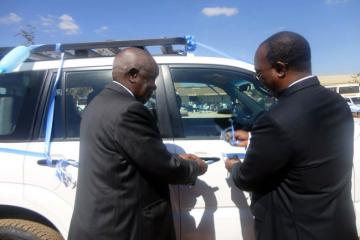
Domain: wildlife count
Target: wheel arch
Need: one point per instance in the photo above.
(16, 212)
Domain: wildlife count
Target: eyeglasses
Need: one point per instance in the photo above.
(258, 76)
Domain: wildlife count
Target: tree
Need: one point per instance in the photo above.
(27, 32)
(356, 77)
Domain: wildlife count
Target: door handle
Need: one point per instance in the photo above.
(55, 162)
(44, 162)
(61, 170)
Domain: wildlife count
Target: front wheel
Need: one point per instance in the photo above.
(16, 229)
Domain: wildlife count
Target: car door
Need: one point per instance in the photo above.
(19, 96)
(208, 101)
(55, 183)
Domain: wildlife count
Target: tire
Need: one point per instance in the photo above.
(16, 229)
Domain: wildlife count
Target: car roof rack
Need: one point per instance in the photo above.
(100, 49)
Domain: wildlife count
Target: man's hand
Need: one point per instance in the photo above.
(230, 162)
(192, 157)
(240, 135)
(188, 156)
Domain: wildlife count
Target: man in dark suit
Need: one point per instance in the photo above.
(298, 163)
(124, 167)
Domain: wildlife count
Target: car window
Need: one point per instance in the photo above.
(356, 100)
(79, 90)
(208, 99)
(333, 89)
(349, 89)
(19, 94)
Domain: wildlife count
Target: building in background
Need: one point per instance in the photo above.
(347, 86)
(339, 79)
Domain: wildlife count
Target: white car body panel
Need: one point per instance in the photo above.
(356, 172)
(12, 164)
(214, 208)
(211, 209)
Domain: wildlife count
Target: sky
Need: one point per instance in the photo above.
(233, 27)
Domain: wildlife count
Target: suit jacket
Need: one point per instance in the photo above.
(298, 166)
(124, 172)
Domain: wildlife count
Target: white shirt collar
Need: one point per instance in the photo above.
(125, 88)
(300, 80)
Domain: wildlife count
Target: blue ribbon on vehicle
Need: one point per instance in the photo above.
(7, 64)
(23, 152)
(14, 59)
(65, 177)
(50, 113)
(190, 44)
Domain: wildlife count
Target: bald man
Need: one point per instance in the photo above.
(124, 167)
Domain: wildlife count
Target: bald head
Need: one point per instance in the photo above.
(290, 48)
(130, 60)
(137, 70)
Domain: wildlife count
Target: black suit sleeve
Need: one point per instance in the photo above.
(137, 134)
(268, 154)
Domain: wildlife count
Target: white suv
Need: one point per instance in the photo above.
(197, 98)
(354, 104)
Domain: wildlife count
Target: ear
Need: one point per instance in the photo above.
(133, 73)
(281, 69)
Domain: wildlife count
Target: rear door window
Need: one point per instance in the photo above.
(19, 96)
(74, 93)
